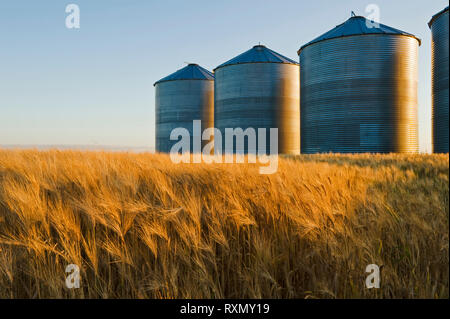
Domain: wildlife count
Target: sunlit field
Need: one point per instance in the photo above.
(140, 226)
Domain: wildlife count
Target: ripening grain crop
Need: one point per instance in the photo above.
(141, 227)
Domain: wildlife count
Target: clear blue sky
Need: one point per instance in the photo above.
(94, 86)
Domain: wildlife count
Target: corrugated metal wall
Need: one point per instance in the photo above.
(440, 82)
(359, 94)
(177, 104)
(260, 95)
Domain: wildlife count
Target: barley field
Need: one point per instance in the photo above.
(140, 226)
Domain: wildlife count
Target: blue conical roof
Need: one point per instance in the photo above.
(189, 72)
(437, 16)
(357, 25)
(258, 54)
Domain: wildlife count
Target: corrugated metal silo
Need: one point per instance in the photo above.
(440, 80)
(180, 98)
(359, 90)
(259, 89)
